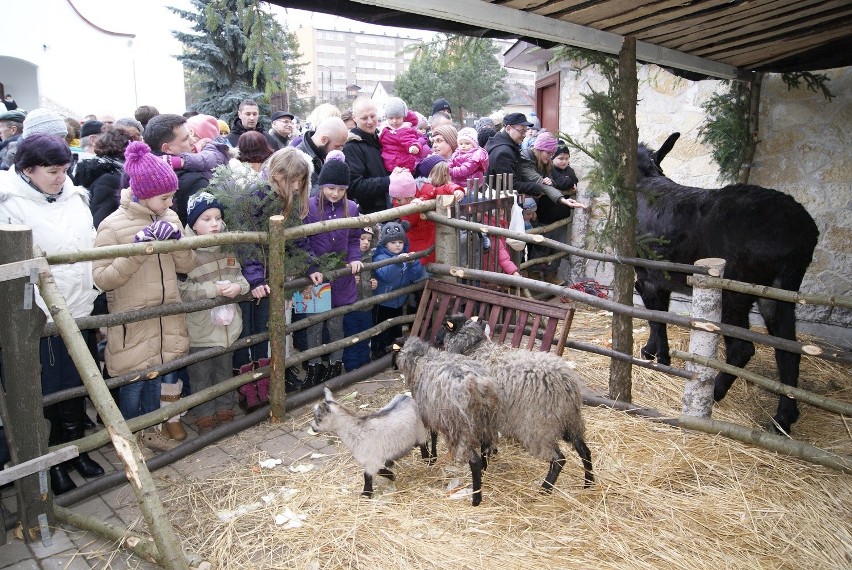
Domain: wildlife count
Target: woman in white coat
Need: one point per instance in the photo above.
(37, 193)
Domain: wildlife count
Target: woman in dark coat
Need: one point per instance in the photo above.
(102, 176)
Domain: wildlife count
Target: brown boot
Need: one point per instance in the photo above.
(171, 393)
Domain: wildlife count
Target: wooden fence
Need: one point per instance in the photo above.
(28, 436)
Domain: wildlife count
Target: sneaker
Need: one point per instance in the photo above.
(152, 437)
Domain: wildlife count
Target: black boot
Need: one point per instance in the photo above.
(334, 370)
(316, 375)
(71, 413)
(60, 481)
(292, 382)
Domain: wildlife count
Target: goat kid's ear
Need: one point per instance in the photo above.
(475, 318)
(329, 397)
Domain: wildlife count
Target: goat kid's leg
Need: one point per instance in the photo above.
(557, 462)
(487, 449)
(384, 472)
(434, 455)
(476, 475)
(368, 486)
(586, 457)
(424, 453)
(780, 319)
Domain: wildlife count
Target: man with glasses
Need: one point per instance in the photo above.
(282, 128)
(504, 152)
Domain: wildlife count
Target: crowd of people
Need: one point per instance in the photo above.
(159, 176)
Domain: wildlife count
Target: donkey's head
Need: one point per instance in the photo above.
(649, 161)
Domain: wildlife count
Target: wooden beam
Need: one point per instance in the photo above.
(37, 464)
(486, 15)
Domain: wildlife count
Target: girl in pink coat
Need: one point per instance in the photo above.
(401, 143)
(469, 161)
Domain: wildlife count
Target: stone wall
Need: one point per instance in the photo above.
(804, 151)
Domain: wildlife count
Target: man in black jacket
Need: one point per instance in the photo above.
(168, 136)
(504, 152)
(248, 119)
(369, 181)
(331, 134)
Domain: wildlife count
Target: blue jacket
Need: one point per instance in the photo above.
(393, 277)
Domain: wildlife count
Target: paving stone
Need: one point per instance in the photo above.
(23, 565)
(61, 543)
(13, 551)
(70, 560)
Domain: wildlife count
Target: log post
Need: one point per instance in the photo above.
(446, 239)
(126, 446)
(620, 381)
(21, 321)
(704, 341)
(277, 320)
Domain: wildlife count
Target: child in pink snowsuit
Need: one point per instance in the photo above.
(401, 143)
(469, 161)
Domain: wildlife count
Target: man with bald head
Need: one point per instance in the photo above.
(331, 134)
(369, 181)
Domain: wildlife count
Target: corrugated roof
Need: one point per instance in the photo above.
(748, 35)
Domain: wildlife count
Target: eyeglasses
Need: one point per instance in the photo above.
(523, 130)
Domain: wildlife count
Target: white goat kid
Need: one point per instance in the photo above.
(375, 439)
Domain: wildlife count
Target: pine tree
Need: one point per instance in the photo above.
(461, 69)
(238, 51)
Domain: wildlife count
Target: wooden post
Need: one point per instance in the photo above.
(277, 324)
(446, 239)
(21, 321)
(126, 446)
(706, 305)
(620, 381)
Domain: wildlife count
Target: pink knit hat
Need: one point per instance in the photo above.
(149, 175)
(469, 134)
(546, 142)
(204, 126)
(402, 185)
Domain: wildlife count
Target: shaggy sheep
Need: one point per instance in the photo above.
(376, 439)
(455, 399)
(540, 396)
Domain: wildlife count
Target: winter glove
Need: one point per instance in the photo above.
(158, 231)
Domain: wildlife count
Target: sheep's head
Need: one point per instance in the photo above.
(324, 413)
(406, 355)
(469, 336)
(452, 325)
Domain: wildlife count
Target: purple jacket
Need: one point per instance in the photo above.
(347, 242)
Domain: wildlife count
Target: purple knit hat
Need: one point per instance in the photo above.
(149, 175)
(425, 166)
(546, 142)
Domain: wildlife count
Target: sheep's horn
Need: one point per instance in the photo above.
(449, 325)
(396, 347)
(475, 319)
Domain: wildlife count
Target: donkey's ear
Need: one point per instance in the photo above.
(665, 149)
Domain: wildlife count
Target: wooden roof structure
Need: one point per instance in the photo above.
(717, 38)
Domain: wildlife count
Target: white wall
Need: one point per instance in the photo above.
(804, 151)
(79, 69)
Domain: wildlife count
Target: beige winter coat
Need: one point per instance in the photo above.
(138, 282)
(211, 266)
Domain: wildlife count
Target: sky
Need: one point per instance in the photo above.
(133, 16)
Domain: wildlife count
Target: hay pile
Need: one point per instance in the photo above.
(664, 498)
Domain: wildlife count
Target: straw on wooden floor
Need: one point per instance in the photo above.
(663, 497)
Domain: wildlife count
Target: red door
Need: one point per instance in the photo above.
(547, 102)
